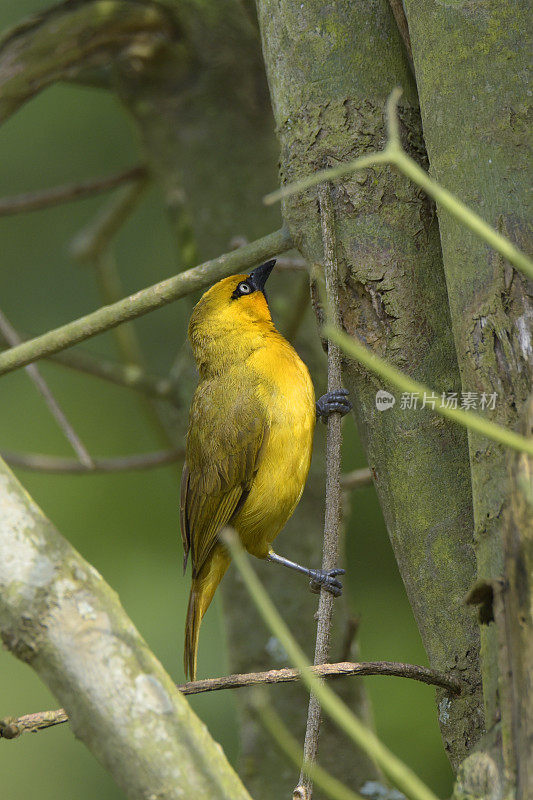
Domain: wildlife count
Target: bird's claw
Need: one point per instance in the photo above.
(322, 579)
(331, 402)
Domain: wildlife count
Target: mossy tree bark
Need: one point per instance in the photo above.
(58, 615)
(330, 71)
(471, 68)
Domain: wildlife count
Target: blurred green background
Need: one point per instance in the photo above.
(127, 525)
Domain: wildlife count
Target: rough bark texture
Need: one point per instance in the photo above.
(58, 615)
(331, 67)
(471, 68)
(516, 645)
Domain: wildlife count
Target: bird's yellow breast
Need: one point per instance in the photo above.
(284, 386)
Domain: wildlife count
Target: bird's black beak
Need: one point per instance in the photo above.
(259, 276)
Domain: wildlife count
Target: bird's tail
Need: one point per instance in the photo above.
(202, 590)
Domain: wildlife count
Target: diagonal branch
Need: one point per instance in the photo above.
(398, 772)
(12, 337)
(11, 727)
(401, 23)
(145, 300)
(58, 615)
(410, 387)
(45, 198)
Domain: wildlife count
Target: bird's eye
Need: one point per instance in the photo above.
(242, 288)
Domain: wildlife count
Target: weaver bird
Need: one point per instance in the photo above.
(249, 440)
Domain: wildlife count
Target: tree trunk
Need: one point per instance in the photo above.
(331, 67)
(516, 624)
(471, 72)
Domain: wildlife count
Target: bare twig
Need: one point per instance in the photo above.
(11, 727)
(12, 337)
(281, 735)
(45, 198)
(332, 519)
(338, 670)
(401, 23)
(145, 301)
(356, 479)
(38, 462)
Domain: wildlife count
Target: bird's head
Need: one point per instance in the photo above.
(232, 308)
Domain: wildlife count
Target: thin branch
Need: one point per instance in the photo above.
(12, 337)
(38, 462)
(145, 301)
(274, 725)
(340, 669)
(393, 154)
(10, 727)
(127, 375)
(469, 419)
(401, 23)
(398, 772)
(45, 198)
(333, 505)
(356, 479)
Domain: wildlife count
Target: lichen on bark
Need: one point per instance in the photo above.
(330, 71)
(58, 615)
(471, 67)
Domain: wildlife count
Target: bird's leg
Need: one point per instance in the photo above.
(331, 402)
(319, 577)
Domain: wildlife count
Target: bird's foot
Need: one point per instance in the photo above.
(322, 579)
(333, 402)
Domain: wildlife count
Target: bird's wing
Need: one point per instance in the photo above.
(228, 429)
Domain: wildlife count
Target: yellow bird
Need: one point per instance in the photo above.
(249, 440)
